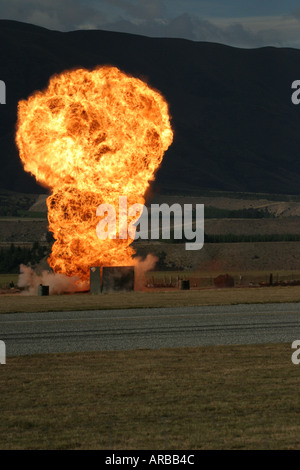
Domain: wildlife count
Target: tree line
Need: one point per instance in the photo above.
(11, 257)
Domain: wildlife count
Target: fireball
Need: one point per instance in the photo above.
(90, 137)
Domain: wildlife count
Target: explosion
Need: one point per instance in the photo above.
(91, 137)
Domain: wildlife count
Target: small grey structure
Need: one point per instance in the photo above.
(95, 280)
(184, 284)
(117, 278)
(43, 290)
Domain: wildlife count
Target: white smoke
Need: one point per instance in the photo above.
(141, 268)
(58, 283)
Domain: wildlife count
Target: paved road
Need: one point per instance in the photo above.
(149, 328)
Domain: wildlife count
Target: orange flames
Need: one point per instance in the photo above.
(91, 137)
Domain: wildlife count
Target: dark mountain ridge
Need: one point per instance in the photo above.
(235, 127)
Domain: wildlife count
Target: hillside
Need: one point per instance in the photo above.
(254, 249)
(235, 127)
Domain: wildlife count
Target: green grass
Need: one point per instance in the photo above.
(216, 397)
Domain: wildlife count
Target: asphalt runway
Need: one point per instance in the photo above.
(150, 328)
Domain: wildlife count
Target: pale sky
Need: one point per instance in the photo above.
(240, 23)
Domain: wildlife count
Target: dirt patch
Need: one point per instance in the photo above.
(278, 208)
(252, 226)
(40, 204)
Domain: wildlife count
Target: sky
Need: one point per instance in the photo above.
(239, 23)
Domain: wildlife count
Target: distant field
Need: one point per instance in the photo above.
(278, 205)
(224, 258)
(214, 397)
(277, 226)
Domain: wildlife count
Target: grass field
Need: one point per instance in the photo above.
(229, 397)
(151, 298)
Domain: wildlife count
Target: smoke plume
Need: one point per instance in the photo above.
(58, 283)
(141, 268)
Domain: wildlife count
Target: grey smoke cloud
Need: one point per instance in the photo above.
(63, 15)
(296, 13)
(153, 18)
(141, 9)
(197, 29)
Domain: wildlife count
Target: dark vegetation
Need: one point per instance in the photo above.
(14, 204)
(7, 213)
(12, 257)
